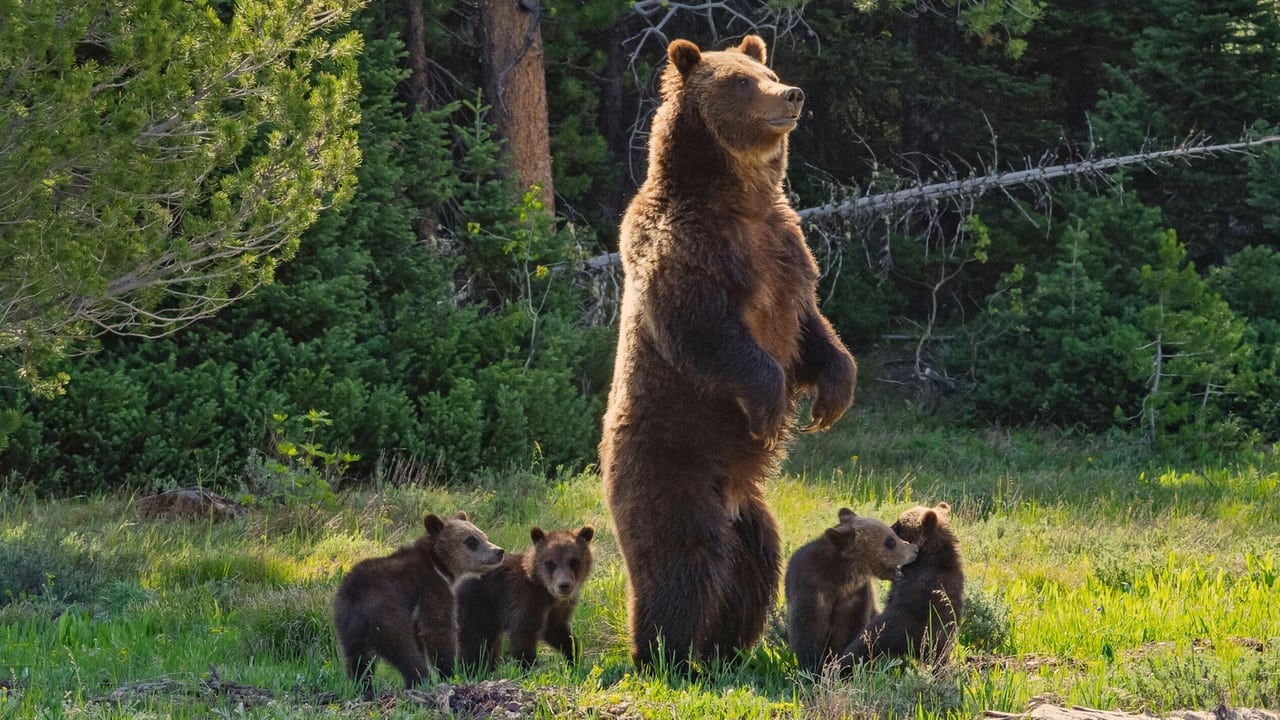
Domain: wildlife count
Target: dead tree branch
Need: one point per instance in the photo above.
(975, 187)
(932, 198)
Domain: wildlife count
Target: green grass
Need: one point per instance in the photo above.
(1098, 576)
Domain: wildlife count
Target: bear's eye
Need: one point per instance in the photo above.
(743, 81)
(889, 543)
(471, 542)
(573, 564)
(551, 566)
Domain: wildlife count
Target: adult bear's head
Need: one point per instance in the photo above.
(734, 94)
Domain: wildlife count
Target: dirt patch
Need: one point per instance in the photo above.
(1198, 645)
(508, 700)
(1021, 663)
(488, 699)
(503, 699)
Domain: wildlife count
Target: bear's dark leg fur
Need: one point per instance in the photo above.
(559, 635)
(679, 606)
(360, 669)
(398, 643)
(679, 585)
(756, 571)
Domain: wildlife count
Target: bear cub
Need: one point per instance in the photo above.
(922, 614)
(530, 597)
(402, 606)
(829, 590)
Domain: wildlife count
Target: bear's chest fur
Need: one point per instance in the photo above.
(780, 274)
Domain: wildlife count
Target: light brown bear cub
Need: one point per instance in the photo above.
(530, 597)
(402, 606)
(830, 596)
(922, 615)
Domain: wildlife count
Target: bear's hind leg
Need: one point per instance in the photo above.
(396, 641)
(360, 669)
(755, 572)
(673, 613)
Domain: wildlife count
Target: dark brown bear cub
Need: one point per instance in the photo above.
(922, 615)
(402, 606)
(530, 597)
(719, 335)
(829, 590)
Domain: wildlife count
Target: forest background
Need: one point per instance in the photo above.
(443, 313)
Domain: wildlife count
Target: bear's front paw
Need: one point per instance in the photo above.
(767, 410)
(834, 394)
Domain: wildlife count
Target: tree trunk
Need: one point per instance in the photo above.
(516, 87)
(611, 115)
(415, 42)
(921, 134)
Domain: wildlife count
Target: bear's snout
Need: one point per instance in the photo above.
(795, 96)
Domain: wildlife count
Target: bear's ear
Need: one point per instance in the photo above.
(432, 523)
(536, 534)
(684, 55)
(943, 509)
(586, 533)
(462, 515)
(846, 515)
(753, 47)
(840, 535)
(929, 521)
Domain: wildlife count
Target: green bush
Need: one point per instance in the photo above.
(985, 626)
(454, 343)
(1060, 360)
(34, 568)
(1116, 329)
(1249, 282)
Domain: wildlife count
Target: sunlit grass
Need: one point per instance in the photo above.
(1097, 576)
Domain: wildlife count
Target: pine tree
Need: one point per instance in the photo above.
(1192, 353)
(157, 162)
(1198, 67)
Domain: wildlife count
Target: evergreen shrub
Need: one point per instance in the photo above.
(434, 318)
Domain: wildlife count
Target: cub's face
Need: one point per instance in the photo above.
(561, 560)
(739, 97)
(869, 541)
(465, 548)
(925, 526)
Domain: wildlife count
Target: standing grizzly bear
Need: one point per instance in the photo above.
(719, 333)
(402, 606)
(922, 615)
(530, 597)
(829, 590)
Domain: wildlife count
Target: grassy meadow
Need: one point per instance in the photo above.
(1097, 576)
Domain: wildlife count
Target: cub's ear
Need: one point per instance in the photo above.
(536, 534)
(432, 523)
(461, 515)
(943, 509)
(586, 533)
(753, 47)
(684, 55)
(840, 535)
(929, 521)
(846, 515)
